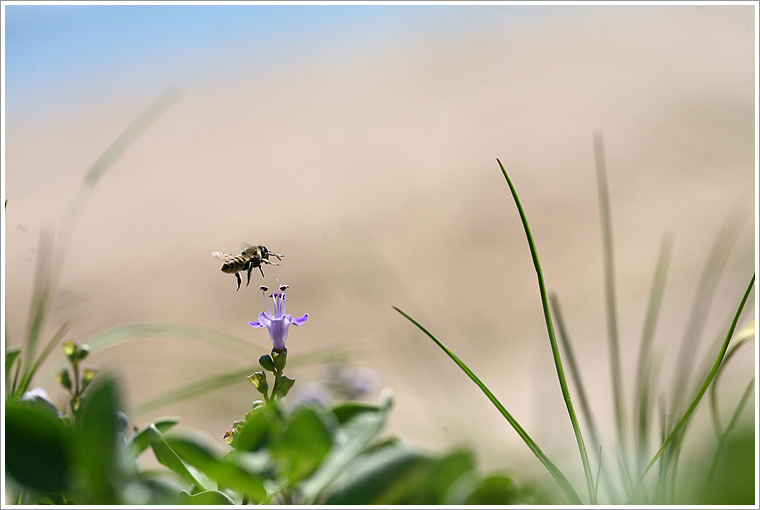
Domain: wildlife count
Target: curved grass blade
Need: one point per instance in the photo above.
(646, 373)
(553, 341)
(706, 285)
(558, 476)
(744, 335)
(609, 291)
(193, 390)
(708, 380)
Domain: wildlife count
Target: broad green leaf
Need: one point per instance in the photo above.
(352, 439)
(383, 477)
(303, 444)
(496, 490)
(226, 471)
(99, 451)
(169, 458)
(205, 498)
(141, 440)
(261, 424)
(36, 448)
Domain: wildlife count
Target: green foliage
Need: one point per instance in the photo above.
(632, 471)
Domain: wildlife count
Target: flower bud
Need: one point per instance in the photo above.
(63, 378)
(265, 360)
(82, 352)
(279, 357)
(70, 349)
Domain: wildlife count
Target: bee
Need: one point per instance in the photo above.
(253, 256)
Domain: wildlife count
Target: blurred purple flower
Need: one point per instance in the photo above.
(278, 323)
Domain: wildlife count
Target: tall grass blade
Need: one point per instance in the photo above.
(575, 372)
(114, 151)
(705, 385)
(708, 280)
(646, 373)
(582, 399)
(553, 341)
(609, 291)
(558, 476)
(193, 389)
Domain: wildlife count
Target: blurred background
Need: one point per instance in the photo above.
(361, 143)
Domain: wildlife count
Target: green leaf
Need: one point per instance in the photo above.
(169, 458)
(205, 498)
(496, 490)
(141, 440)
(99, 451)
(353, 437)
(381, 478)
(36, 448)
(443, 474)
(303, 445)
(227, 471)
(261, 424)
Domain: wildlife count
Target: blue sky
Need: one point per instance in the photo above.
(53, 51)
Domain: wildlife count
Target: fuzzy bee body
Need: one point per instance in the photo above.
(252, 257)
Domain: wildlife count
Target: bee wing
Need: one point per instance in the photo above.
(222, 255)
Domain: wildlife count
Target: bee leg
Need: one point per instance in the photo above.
(249, 276)
(239, 280)
(262, 271)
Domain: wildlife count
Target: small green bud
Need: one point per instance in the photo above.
(82, 352)
(266, 362)
(279, 358)
(259, 380)
(87, 377)
(63, 378)
(70, 349)
(284, 387)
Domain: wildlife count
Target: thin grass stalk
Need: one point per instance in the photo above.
(112, 153)
(609, 291)
(553, 341)
(574, 371)
(558, 476)
(645, 373)
(708, 280)
(705, 385)
(582, 399)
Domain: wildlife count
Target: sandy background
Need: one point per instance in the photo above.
(374, 171)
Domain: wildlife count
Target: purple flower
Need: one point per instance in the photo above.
(278, 323)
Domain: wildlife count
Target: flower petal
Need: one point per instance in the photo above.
(256, 324)
(300, 320)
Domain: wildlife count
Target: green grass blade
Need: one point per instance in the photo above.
(193, 389)
(708, 380)
(553, 341)
(609, 290)
(558, 476)
(582, 399)
(744, 335)
(646, 371)
(112, 153)
(574, 371)
(706, 285)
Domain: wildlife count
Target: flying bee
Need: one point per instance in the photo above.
(253, 256)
